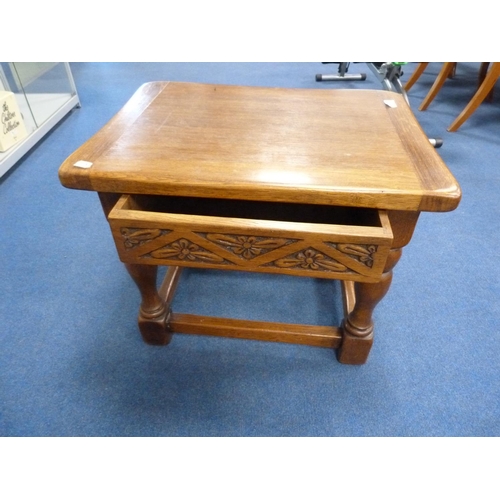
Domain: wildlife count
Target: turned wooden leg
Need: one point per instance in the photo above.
(153, 313)
(360, 302)
(358, 325)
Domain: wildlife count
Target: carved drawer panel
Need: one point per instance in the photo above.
(306, 240)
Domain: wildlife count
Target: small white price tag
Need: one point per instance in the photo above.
(391, 103)
(83, 164)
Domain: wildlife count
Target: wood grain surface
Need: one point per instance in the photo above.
(317, 146)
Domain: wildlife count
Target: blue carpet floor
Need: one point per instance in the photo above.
(72, 362)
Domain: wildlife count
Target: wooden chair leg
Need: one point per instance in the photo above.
(485, 88)
(416, 75)
(483, 69)
(447, 69)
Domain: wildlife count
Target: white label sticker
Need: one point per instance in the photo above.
(83, 164)
(391, 103)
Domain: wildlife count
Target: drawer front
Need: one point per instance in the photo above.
(334, 251)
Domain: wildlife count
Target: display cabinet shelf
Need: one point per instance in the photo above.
(45, 93)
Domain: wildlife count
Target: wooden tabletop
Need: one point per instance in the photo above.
(336, 147)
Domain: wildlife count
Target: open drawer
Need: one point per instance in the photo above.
(286, 238)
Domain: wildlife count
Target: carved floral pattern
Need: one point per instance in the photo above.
(312, 260)
(247, 247)
(133, 237)
(186, 250)
(362, 253)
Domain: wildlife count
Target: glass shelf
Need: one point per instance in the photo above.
(45, 92)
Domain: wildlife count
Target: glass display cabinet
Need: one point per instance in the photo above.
(44, 93)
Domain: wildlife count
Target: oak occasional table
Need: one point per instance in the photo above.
(318, 183)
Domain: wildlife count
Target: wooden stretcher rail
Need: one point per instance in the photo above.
(319, 336)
